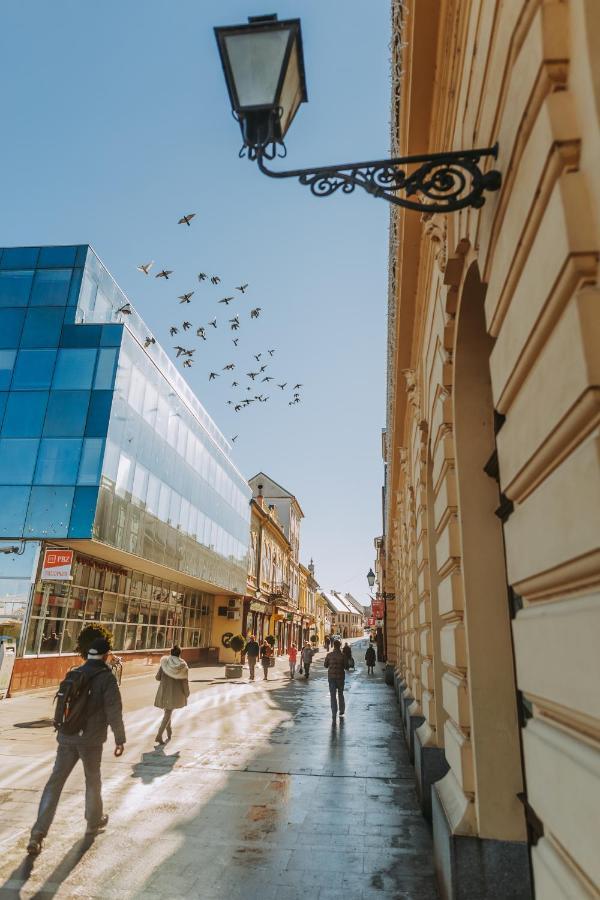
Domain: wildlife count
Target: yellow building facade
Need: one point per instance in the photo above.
(490, 558)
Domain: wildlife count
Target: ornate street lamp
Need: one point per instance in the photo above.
(371, 578)
(264, 70)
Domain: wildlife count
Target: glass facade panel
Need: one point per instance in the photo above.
(74, 368)
(49, 511)
(7, 362)
(42, 327)
(67, 413)
(11, 325)
(19, 257)
(90, 465)
(13, 503)
(83, 512)
(17, 460)
(15, 288)
(56, 257)
(33, 370)
(25, 412)
(51, 287)
(58, 461)
(99, 414)
(106, 369)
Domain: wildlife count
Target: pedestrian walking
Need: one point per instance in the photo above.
(252, 653)
(306, 655)
(336, 665)
(266, 652)
(292, 656)
(173, 690)
(370, 659)
(87, 702)
(326, 643)
(347, 651)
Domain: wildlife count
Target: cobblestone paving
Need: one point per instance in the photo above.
(258, 795)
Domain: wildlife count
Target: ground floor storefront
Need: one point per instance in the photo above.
(145, 615)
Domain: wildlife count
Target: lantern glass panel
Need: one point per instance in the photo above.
(256, 59)
(291, 92)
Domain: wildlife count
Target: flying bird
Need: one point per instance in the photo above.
(213, 322)
(235, 384)
(235, 341)
(190, 352)
(237, 408)
(229, 367)
(215, 279)
(234, 439)
(164, 273)
(201, 276)
(185, 298)
(255, 313)
(298, 386)
(173, 330)
(125, 309)
(200, 333)
(257, 356)
(271, 352)
(251, 375)
(149, 340)
(282, 386)
(187, 363)
(234, 325)
(242, 288)
(186, 220)
(180, 350)
(186, 326)
(145, 267)
(226, 300)
(268, 378)
(213, 375)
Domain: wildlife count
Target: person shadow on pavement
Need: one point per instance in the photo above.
(153, 765)
(18, 878)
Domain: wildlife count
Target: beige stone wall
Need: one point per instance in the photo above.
(528, 75)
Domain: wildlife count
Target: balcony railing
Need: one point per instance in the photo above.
(280, 591)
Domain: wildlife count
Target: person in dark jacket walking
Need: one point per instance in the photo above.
(173, 690)
(266, 652)
(306, 658)
(103, 708)
(370, 659)
(252, 652)
(336, 666)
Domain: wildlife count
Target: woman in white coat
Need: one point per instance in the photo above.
(173, 690)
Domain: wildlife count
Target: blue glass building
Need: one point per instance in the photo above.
(105, 449)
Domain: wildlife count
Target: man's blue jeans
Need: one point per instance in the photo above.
(336, 691)
(67, 757)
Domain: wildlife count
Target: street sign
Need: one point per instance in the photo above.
(57, 565)
(378, 608)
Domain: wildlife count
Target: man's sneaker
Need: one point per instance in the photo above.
(34, 847)
(94, 829)
(342, 714)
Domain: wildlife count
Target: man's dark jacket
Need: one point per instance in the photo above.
(104, 708)
(252, 649)
(336, 663)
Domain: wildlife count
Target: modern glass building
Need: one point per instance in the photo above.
(105, 449)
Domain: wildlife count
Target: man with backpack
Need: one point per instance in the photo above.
(87, 702)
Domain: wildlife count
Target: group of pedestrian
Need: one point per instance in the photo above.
(89, 701)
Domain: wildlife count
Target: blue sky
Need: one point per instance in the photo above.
(116, 123)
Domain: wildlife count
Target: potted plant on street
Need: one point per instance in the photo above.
(237, 644)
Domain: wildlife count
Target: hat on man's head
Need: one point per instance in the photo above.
(98, 648)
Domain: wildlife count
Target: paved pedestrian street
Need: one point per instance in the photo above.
(257, 795)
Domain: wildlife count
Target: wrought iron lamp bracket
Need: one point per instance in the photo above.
(438, 182)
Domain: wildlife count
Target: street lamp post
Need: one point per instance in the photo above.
(263, 64)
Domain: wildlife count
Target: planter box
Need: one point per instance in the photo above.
(233, 670)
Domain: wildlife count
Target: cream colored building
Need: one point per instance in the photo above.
(490, 557)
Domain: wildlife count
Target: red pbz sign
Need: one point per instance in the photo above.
(57, 565)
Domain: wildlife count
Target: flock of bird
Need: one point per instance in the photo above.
(185, 354)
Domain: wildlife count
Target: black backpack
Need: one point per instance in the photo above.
(71, 701)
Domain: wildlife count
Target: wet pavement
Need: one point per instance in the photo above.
(257, 795)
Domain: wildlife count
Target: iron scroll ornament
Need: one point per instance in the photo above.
(445, 182)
